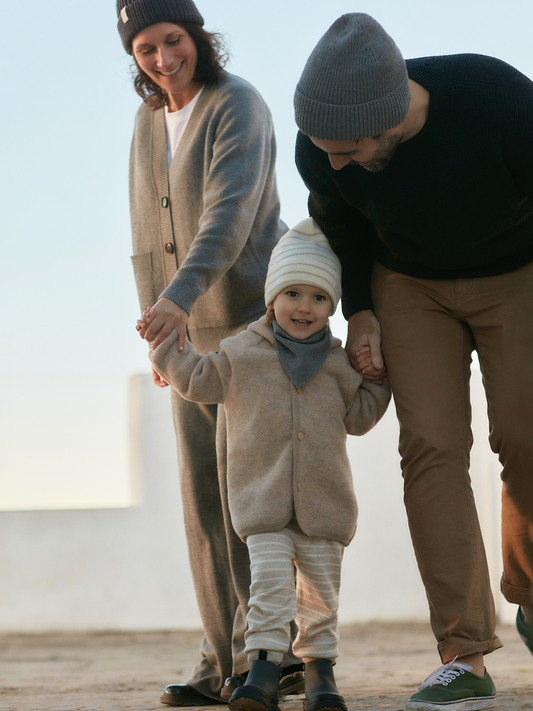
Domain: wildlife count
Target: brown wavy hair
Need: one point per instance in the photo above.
(212, 58)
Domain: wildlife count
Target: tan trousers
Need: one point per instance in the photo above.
(275, 603)
(218, 558)
(429, 330)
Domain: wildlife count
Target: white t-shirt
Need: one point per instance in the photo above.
(175, 123)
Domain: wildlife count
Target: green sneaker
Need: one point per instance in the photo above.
(523, 630)
(453, 687)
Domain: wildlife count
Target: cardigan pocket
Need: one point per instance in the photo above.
(144, 278)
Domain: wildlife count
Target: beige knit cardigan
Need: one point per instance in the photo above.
(203, 231)
(286, 446)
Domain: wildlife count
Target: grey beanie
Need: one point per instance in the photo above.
(304, 256)
(354, 84)
(135, 15)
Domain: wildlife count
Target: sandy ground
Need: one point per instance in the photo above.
(380, 665)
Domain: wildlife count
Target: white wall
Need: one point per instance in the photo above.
(127, 568)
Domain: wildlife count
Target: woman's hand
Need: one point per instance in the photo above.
(158, 321)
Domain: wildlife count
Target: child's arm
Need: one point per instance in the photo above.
(196, 376)
(369, 405)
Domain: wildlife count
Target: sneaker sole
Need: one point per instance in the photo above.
(484, 702)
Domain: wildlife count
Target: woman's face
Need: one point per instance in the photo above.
(167, 53)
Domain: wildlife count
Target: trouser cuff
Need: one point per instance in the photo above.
(516, 595)
(461, 647)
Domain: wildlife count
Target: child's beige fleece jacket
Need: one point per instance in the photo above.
(286, 446)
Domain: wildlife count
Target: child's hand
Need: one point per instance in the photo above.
(158, 380)
(143, 322)
(363, 364)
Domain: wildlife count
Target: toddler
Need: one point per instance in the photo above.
(290, 396)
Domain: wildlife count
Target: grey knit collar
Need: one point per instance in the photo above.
(301, 359)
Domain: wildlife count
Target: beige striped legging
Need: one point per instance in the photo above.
(275, 600)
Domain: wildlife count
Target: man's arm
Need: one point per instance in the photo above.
(350, 235)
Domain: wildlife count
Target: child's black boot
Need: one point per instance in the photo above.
(321, 693)
(260, 690)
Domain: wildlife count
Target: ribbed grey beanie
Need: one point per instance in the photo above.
(135, 15)
(304, 256)
(354, 84)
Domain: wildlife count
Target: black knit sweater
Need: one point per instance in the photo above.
(457, 198)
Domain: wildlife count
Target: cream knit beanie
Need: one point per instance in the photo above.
(304, 256)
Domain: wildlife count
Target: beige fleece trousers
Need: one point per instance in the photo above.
(429, 330)
(275, 600)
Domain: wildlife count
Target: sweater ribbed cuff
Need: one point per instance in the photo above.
(182, 295)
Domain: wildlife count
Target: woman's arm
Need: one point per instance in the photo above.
(239, 182)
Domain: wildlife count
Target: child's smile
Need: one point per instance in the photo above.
(302, 310)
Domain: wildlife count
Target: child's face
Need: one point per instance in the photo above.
(302, 310)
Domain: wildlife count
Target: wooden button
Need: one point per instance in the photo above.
(300, 436)
(299, 391)
(299, 488)
(169, 248)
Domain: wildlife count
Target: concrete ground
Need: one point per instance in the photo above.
(380, 665)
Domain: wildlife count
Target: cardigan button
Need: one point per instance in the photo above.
(299, 391)
(169, 248)
(164, 202)
(300, 436)
(299, 487)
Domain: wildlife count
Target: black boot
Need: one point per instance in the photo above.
(321, 692)
(260, 690)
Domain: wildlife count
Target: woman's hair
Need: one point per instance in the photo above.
(212, 58)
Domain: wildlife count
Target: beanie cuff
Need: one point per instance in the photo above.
(333, 122)
(136, 15)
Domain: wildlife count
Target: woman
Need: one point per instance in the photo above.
(205, 217)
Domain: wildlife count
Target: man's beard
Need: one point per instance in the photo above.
(388, 145)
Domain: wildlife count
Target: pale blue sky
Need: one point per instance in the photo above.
(66, 284)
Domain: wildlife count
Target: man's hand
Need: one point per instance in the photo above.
(364, 340)
(158, 380)
(158, 321)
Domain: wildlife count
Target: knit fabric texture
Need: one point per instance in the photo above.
(222, 210)
(135, 15)
(354, 84)
(301, 358)
(303, 256)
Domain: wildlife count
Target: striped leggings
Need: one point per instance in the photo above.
(275, 600)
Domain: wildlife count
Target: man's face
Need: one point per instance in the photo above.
(372, 154)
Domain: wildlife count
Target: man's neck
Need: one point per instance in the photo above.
(418, 111)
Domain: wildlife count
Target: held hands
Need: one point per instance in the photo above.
(155, 325)
(363, 346)
(158, 321)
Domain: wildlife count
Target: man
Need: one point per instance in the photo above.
(421, 175)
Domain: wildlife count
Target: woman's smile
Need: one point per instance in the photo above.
(167, 54)
(174, 71)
